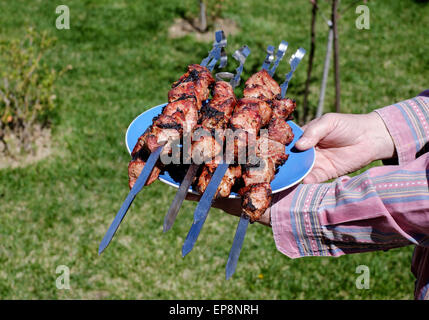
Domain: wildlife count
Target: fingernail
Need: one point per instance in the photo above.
(302, 142)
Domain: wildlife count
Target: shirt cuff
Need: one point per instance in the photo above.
(295, 221)
(407, 123)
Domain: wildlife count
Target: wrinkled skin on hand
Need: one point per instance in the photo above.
(345, 143)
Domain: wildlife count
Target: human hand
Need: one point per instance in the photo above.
(232, 206)
(345, 143)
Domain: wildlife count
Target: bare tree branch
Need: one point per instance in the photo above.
(305, 108)
(336, 56)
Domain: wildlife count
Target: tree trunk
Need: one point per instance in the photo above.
(336, 55)
(203, 17)
(305, 108)
(325, 72)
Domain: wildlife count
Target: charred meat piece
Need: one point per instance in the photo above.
(262, 172)
(280, 131)
(283, 108)
(188, 108)
(196, 82)
(271, 149)
(135, 167)
(200, 184)
(205, 147)
(261, 107)
(262, 86)
(228, 180)
(141, 142)
(216, 114)
(250, 120)
(255, 200)
(164, 129)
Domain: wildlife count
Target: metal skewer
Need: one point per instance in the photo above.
(237, 243)
(210, 61)
(202, 209)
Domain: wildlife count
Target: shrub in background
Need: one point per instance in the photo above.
(26, 88)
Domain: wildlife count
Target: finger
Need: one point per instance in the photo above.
(317, 175)
(310, 179)
(315, 131)
(305, 126)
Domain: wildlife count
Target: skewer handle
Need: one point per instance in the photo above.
(216, 54)
(240, 55)
(294, 62)
(279, 56)
(269, 58)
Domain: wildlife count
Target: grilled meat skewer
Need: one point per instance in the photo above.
(178, 116)
(212, 188)
(214, 116)
(257, 197)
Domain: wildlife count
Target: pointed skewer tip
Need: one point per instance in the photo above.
(185, 252)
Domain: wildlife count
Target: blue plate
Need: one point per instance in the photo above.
(298, 165)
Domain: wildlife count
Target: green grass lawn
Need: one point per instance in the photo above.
(56, 211)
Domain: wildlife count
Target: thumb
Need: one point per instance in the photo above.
(315, 131)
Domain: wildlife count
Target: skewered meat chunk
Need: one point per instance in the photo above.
(283, 108)
(195, 82)
(260, 173)
(214, 115)
(188, 108)
(262, 86)
(270, 152)
(140, 144)
(224, 189)
(248, 121)
(261, 107)
(205, 147)
(135, 167)
(280, 131)
(164, 128)
(268, 148)
(228, 181)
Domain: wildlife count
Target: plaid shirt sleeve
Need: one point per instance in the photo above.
(408, 124)
(382, 208)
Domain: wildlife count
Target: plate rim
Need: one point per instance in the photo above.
(230, 196)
